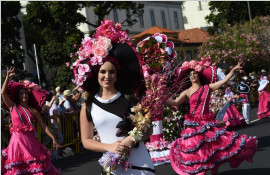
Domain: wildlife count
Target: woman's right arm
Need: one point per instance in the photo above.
(87, 136)
(180, 99)
(7, 100)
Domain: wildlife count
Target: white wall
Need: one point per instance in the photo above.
(168, 7)
(195, 16)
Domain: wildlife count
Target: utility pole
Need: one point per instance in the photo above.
(249, 13)
(37, 64)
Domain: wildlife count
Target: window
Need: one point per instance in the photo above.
(181, 56)
(196, 53)
(163, 19)
(189, 54)
(115, 16)
(152, 15)
(128, 17)
(141, 18)
(200, 6)
(176, 20)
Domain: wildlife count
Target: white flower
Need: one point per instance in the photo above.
(136, 135)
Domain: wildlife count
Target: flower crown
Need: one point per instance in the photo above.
(94, 49)
(198, 66)
(156, 51)
(30, 85)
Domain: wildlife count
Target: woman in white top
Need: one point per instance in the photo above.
(106, 109)
(109, 68)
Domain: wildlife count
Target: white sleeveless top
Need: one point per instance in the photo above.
(106, 114)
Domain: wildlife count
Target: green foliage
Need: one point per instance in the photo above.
(52, 26)
(11, 52)
(103, 8)
(63, 76)
(248, 42)
(234, 12)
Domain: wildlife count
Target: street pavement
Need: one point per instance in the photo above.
(86, 163)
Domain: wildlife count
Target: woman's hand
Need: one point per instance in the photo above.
(55, 144)
(238, 66)
(10, 72)
(119, 148)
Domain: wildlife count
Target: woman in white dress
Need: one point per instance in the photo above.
(108, 76)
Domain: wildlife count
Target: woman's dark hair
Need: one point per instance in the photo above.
(94, 84)
(17, 101)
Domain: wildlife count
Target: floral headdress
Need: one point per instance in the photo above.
(207, 72)
(198, 66)
(37, 94)
(101, 47)
(156, 51)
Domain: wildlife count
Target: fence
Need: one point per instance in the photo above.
(69, 127)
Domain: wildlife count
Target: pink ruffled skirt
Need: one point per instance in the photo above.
(204, 145)
(25, 155)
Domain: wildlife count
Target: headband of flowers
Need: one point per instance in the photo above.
(30, 85)
(156, 51)
(198, 66)
(94, 49)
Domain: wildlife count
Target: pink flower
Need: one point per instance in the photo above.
(207, 64)
(79, 79)
(74, 45)
(67, 63)
(198, 68)
(100, 51)
(83, 68)
(185, 64)
(193, 64)
(71, 55)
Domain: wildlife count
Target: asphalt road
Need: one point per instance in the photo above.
(86, 162)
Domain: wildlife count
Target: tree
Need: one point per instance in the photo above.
(233, 12)
(12, 54)
(103, 8)
(249, 42)
(52, 26)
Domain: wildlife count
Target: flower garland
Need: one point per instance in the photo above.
(94, 49)
(150, 107)
(30, 85)
(198, 66)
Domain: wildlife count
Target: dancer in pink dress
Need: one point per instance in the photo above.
(24, 154)
(204, 144)
(232, 117)
(264, 99)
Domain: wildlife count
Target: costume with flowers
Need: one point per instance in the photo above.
(264, 99)
(157, 53)
(110, 43)
(24, 154)
(204, 144)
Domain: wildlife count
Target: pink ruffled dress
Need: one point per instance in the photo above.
(233, 118)
(264, 105)
(204, 144)
(24, 154)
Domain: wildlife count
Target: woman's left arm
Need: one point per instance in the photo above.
(45, 127)
(217, 85)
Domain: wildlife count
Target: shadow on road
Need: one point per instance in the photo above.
(259, 171)
(263, 142)
(77, 160)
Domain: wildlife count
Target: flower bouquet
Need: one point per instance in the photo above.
(156, 51)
